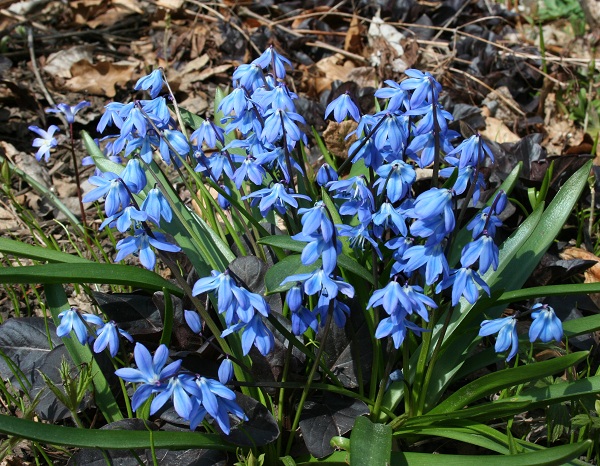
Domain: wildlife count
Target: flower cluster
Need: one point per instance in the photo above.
(546, 327)
(193, 396)
(106, 335)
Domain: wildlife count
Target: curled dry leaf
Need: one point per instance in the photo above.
(99, 79)
(591, 275)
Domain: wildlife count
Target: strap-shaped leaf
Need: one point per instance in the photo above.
(109, 439)
(39, 253)
(113, 274)
(492, 383)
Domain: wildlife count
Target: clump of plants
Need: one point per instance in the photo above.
(339, 311)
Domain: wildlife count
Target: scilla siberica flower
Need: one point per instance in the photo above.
(150, 374)
(140, 244)
(506, 327)
(152, 83)
(71, 319)
(546, 326)
(69, 111)
(341, 107)
(45, 142)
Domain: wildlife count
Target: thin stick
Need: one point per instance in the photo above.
(38, 76)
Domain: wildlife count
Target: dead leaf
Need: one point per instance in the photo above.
(591, 275)
(59, 64)
(498, 132)
(332, 68)
(99, 79)
(353, 40)
(335, 137)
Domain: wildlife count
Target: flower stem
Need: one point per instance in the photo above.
(311, 375)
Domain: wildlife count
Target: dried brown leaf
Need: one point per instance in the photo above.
(99, 79)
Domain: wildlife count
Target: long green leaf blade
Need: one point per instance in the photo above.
(113, 274)
(496, 381)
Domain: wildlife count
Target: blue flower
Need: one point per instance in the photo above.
(140, 244)
(464, 282)
(358, 195)
(397, 96)
(315, 218)
(152, 83)
(255, 332)
(208, 133)
(177, 141)
(151, 372)
(506, 327)
(249, 76)
(271, 58)
(222, 200)
(484, 220)
(483, 249)
(193, 320)
(276, 197)
(279, 97)
(341, 107)
(388, 217)
(45, 142)
(72, 320)
(318, 281)
(319, 248)
(395, 299)
(124, 218)
(236, 101)
(225, 371)
(238, 304)
(472, 151)
(358, 234)
(369, 153)
(279, 121)
(303, 319)
(111, 116)
(249, 169)
(326, 174)
(340, 310)
(108, 335)
(546, 325)
(110, 187)
(134, 176)
(392, 133)
(396, 178)
(433, 209)
(69, 111)
(178, 389)
(216, 164)
(424, 86)
(157, 110)
(397, 327)
(216, 399)
(429, 256)
(157, 206)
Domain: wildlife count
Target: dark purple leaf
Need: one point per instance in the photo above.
(25, 341)
(331, 416)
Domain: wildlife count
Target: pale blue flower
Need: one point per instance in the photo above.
(546, 325)
(45, 142)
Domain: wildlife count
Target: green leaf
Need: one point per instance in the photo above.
(496, 381)
(549, 290)
(323, 148)
(109, 439)
(113, 274)
(38, 253)
(548, 457)
(370, 443)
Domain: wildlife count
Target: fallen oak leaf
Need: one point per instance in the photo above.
(100, 78)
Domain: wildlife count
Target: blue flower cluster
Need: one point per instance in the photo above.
(193, 396)
(546, 327)
(106, 335)
(241, 309)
